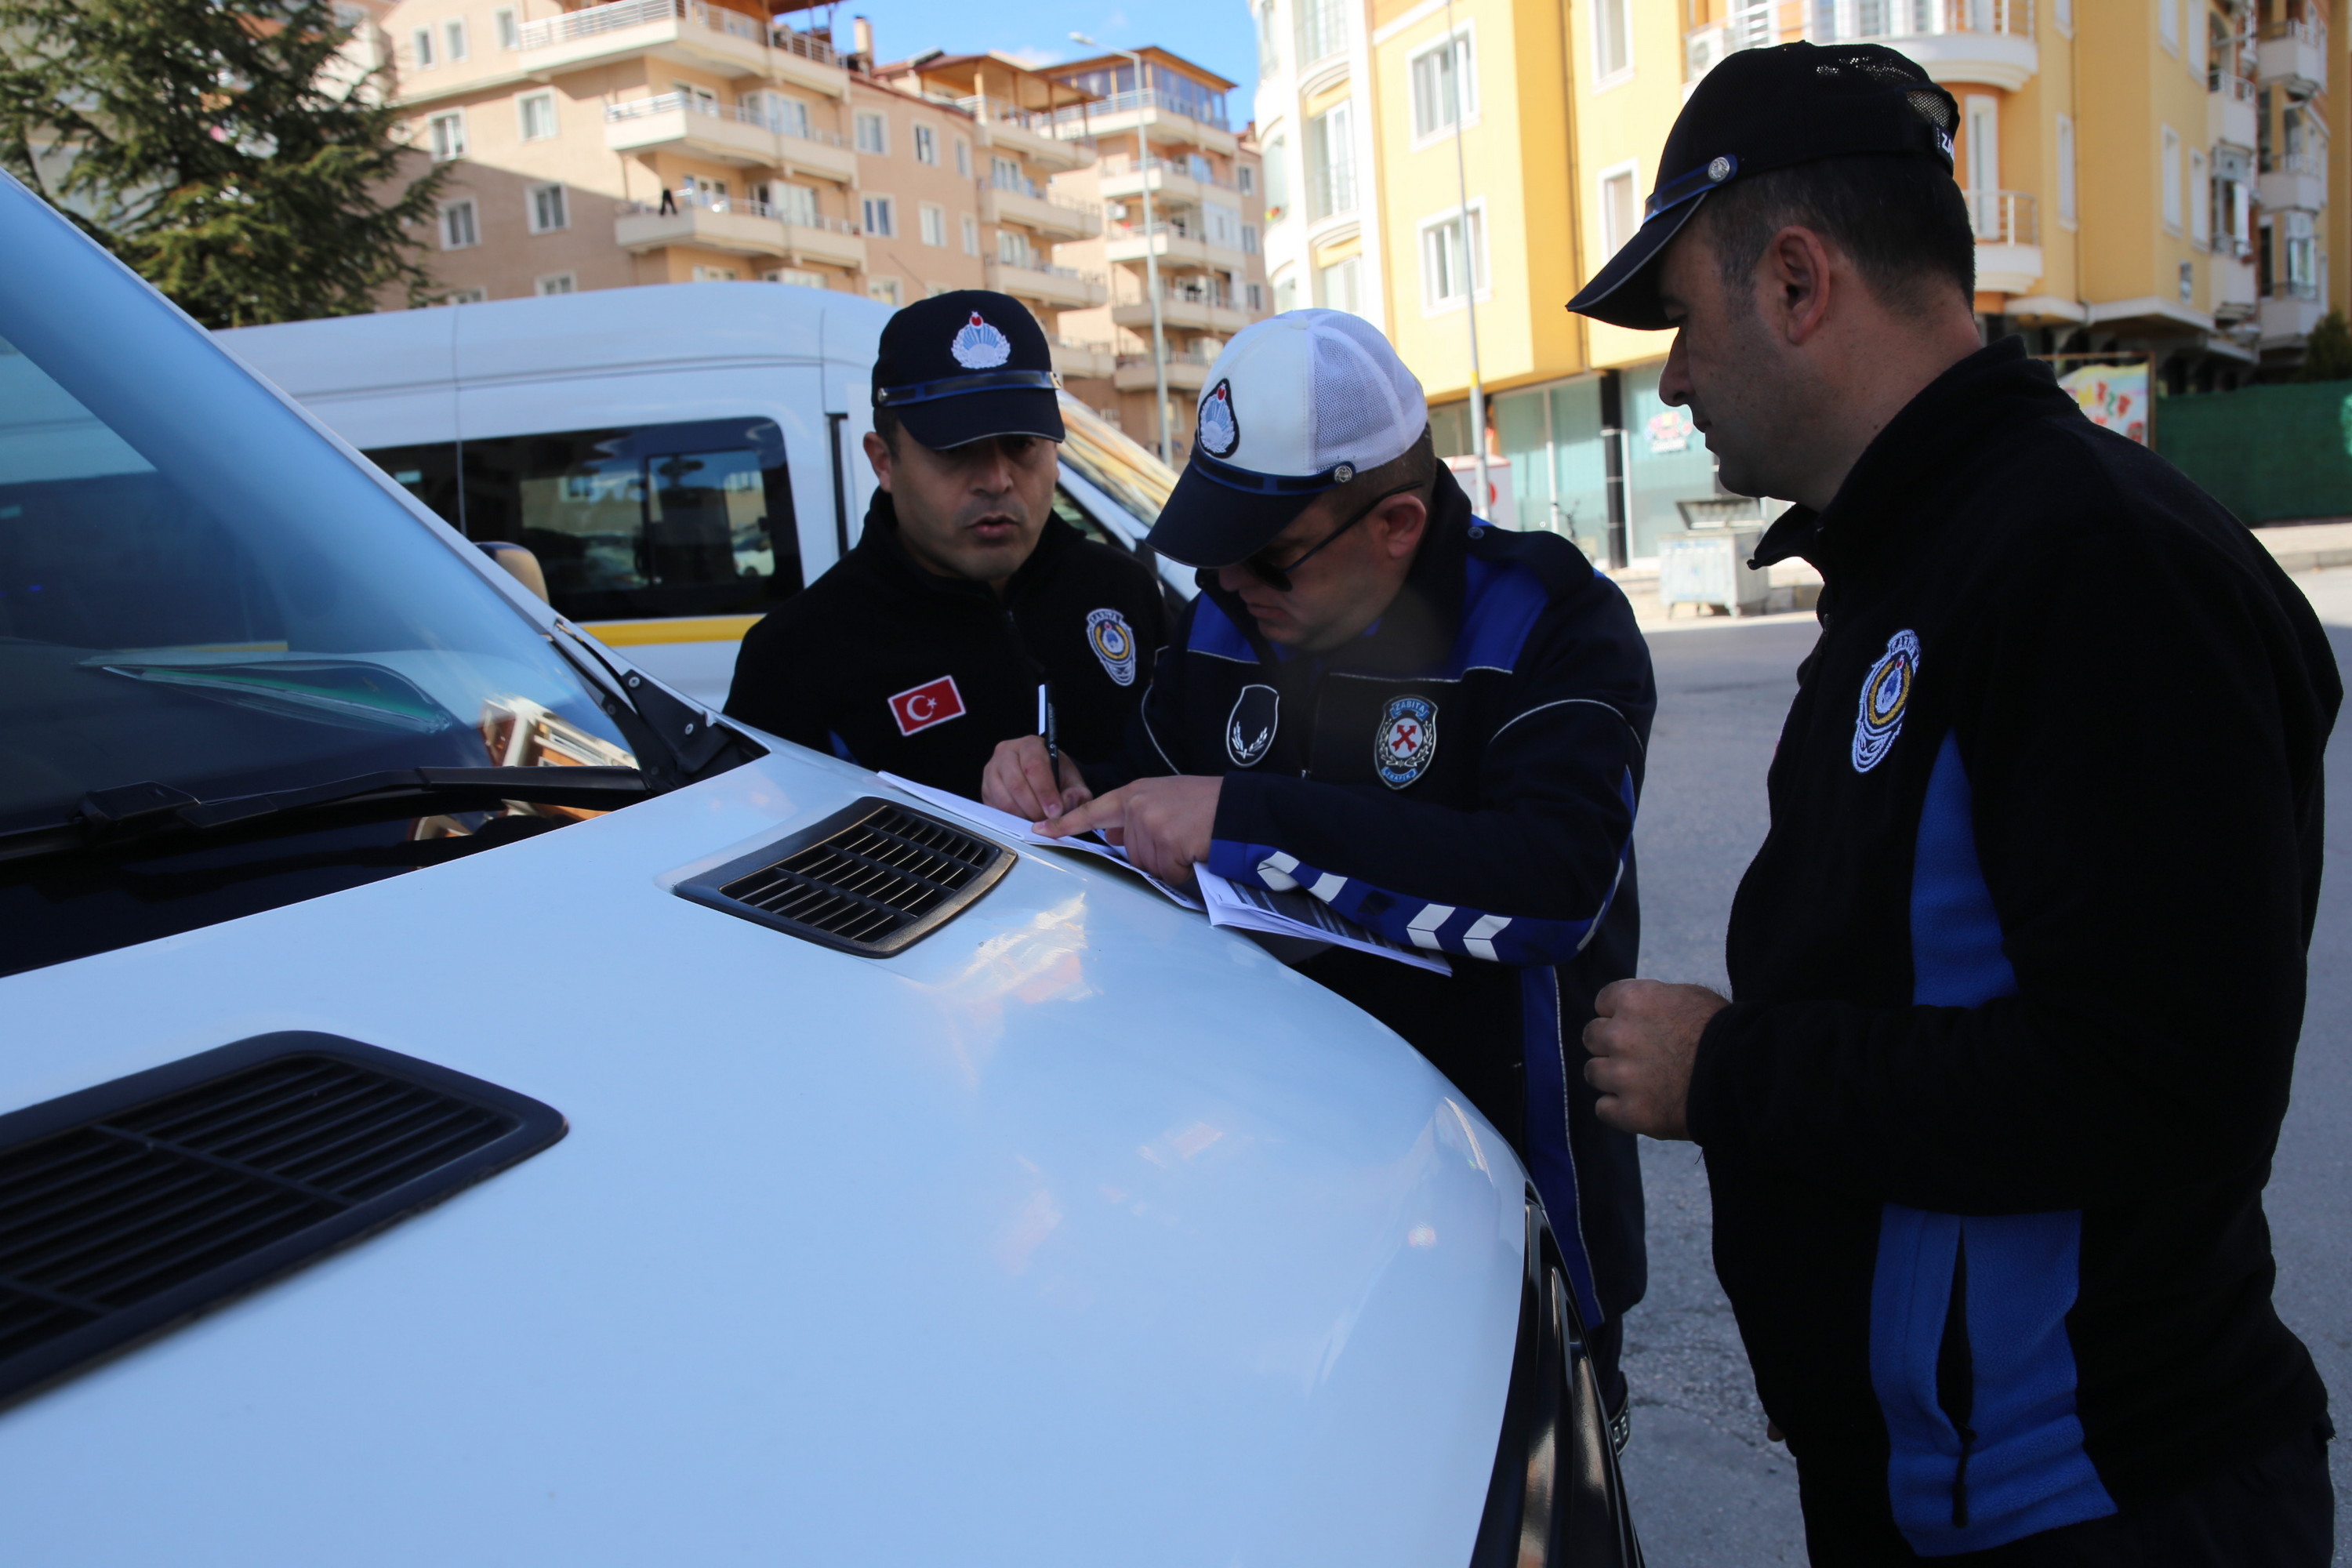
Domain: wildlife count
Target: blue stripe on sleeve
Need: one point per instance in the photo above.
(1214, 634)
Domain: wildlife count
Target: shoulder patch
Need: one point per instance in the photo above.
(1113, 641)
(1886, 694)
(1407, 741)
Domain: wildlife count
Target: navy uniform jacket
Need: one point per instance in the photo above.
(1462, 779)
(2017, 979)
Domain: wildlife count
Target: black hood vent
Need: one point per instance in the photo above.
(131, 1205)
(875, 878)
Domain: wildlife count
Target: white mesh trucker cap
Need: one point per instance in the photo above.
(1295, 405)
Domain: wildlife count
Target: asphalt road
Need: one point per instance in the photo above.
(1707, 1488)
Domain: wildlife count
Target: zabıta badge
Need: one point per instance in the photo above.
(1219, 432)
(1885, 693)
(1113, 641)
(1407, 742)
(979, 346)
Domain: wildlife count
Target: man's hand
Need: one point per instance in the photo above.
(1643, 1042)
(1164, 824)
(1019, 778)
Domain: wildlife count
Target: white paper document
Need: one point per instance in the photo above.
(1292, 914)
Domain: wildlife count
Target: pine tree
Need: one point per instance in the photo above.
(229, 151)
(2328, 353)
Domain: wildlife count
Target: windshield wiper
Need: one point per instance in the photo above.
(135, 814)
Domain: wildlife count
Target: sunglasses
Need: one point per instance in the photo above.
(1278, 577)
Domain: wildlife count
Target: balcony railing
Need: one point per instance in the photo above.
(1849, 21)
(741, 206)
(2302, 160)
(1022, 185)
(1066, 121)
(1032, 264)
(1175, 356)
(2291, 288)
(2003, 217)
(575, 26)
(1330, 191)
(670, 102)
(1704, 49)
(2307, 29)
(1114, 167)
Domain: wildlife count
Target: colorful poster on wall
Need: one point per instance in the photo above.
(1670, 430)
(2113, 396)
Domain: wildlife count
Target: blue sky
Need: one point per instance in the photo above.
(1213, 33)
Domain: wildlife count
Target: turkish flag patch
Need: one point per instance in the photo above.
(918, 708)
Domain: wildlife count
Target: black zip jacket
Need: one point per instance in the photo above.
(1463, 779)
(902, 670)
(2017, 978)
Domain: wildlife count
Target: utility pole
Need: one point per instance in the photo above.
(1479, 503)
(1151, 249)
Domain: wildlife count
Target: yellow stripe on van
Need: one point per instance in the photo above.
(682, 629)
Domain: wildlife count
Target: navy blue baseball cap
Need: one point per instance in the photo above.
(1763, 110)
(966, 365)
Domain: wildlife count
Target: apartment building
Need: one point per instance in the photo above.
(1165, 134)
(2145, 176)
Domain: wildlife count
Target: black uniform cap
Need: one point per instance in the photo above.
(1762, 110)
(966, 365)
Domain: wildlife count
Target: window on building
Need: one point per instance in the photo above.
(458, 230)
(934, 219)
(1449, 268)
(1014, 250)
(1621, 209)
(963, 157)
(1338, 287)
(1246, 178)
(873, 133)
(1330, 163)
(557, 283)
(538, 113)
(793, 203)
(1269, 56)
(1981, 180)
(453, 33)
(2066, 170)
(449, 135)
(716, 274)
(883, 288)
(2064, 12)
(1005, 174)
(927, 145)
(1443, 76)
(1612, 43)
(420, 46)
(1277, 177)
(970, 234)
(1286, 295)
(2169, 164)
(2195, 39)
(1220, 225)
(881, 217)
(702, 191)
(1322, 30)
(2201, 199)
(1249, 239)
(466, 297)
(2167, 23)
(1256, 294)
(2302, 278)
(788, 116)
(799, 278)
(549, 209)
(699, 98)
(511, 37)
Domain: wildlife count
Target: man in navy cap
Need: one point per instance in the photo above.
(931, 640)
(1433, 724)
(2018, 974)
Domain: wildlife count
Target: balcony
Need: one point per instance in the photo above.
(1176, 245)
(1027, 133)
(1064, 288)
(2289, 314)
(1182, 309)
(2235, 293)
(1188, 371)
(726, 135)
(2295, 182)
(743, 227)
(1054, 216)
(690, 32)
(2294, 54)
(1164, 119)
(1090, 362)
(2229, 113)
(2009, 241)
(1178, 183)
(1985, 41)
(1330, 192)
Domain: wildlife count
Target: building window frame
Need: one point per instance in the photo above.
(446, 135)
(927, 145)
(1433, 249)
(556, 283)
(886, 290)
(970, 234)
(2068, 191)
(420, 48)
(1630, 174)
(871, 128)
(548, 207)
(461, 224)
(931, 223)
(878, 215)
(535, 117)
(509, 34)
(453, 38)
(1431, 121)
(2169, 164)
(1612, 43)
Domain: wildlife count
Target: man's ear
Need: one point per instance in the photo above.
(1796, 274)
(879, 453)
(1401, 520)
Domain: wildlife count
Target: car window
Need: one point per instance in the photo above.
(1128, 473)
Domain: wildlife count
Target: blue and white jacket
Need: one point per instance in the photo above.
(1463, 778)
(2017, 979)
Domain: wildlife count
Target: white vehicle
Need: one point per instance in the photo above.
(464, 1103)
(679, 458)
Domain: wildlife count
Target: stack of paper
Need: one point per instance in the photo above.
(1292, 914)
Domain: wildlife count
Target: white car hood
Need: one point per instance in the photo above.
(1079, 1233)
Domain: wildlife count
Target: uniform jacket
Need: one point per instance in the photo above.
(1463, 779)
(2017, 977)
(901, 670)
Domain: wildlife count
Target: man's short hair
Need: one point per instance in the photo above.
(886, 424)
(1416, 465)
(1901, 220)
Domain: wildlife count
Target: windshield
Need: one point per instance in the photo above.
(198, 589)
(1127, 472)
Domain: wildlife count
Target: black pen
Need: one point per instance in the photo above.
(1045, 728)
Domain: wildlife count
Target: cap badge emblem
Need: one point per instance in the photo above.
(1113, 641)
(1407, 742)
(1344, 472)
(980, 346)
(1719, 170)
(1885, 693)
(1249, 729)
(1219, 432)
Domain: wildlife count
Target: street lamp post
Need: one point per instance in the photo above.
(1151, 249)
(1469, 271)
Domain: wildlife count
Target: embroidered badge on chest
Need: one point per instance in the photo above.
(1113, 641)
(1250, 729)
(918, 708)
(1407, 742)
(1885, 693)
(980, 346)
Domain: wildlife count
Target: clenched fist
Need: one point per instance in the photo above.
(1644, 1042)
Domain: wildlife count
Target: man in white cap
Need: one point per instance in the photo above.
(1433, 724)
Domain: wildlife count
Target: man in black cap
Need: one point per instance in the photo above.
(2018, 974)
(965, 597)
(1433, 724)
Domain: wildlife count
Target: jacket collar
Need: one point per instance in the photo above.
(880, 551)
(1952, 419)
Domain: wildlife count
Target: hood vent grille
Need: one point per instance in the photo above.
(873, 878)
(139, 1201)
